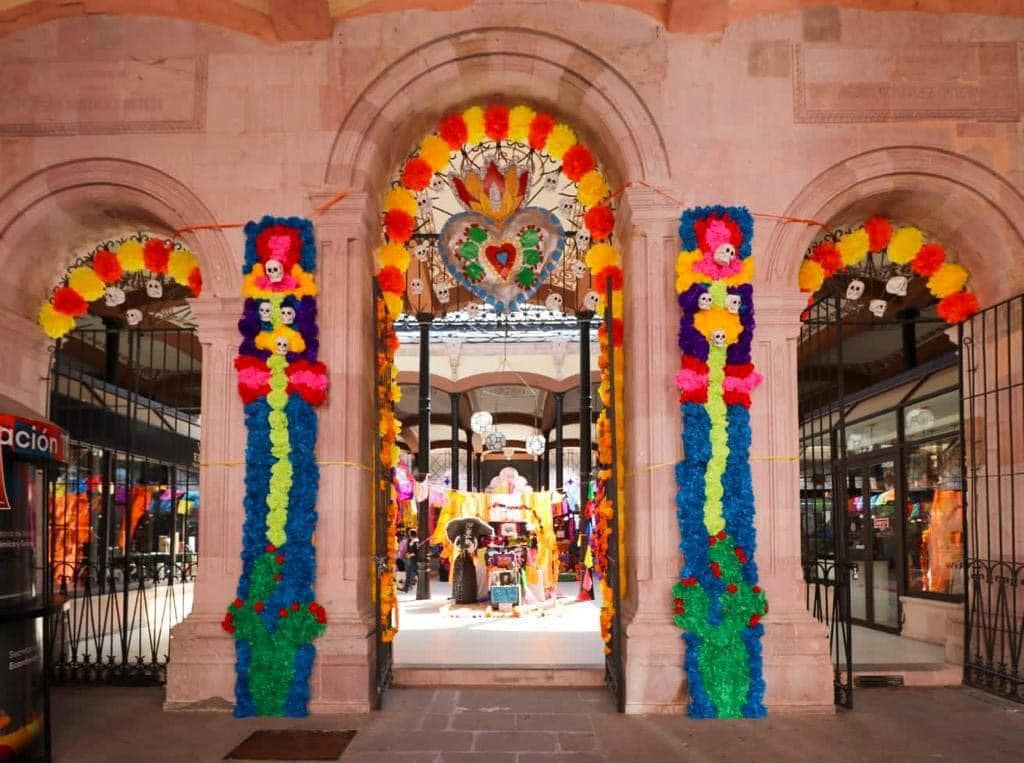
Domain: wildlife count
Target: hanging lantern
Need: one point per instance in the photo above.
(535, 444)
(495, 441)
(480, 421)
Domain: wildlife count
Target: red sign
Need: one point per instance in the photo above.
(34, 439)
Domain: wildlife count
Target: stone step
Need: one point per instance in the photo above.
(432, 675)
(919, 674)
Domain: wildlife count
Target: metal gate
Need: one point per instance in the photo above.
(992, 382)
(123, 512)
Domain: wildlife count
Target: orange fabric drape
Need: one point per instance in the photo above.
(70, 523)
(137, 507)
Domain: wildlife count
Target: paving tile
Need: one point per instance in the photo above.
(577, 742)
(435, 722)
(515, 741)
(572, 757)
(522, 700)
(399, 757)
(477, 720)
(553, 722)
(436, 741)
(478, 757)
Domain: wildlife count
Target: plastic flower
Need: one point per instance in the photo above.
(398, 225)
(561, 139)
(67, 301)
(904, 245)
(879, 232)
(53, 323)
(601, 256)
(854, 246)
(958, 307)
(156, 254)
(949, 278)
(592, 188)
(180, 265)
(826, 255)
(391, 279)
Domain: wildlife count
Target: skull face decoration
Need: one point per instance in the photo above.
(473, 311)
(443, 292)
(281, 345)
(274, 270)
(554, 302)
(877, 307)
(579, 268)
(897, 285)
(266, 311)
(437, 183)
(422, 252)
(719, 337)
(590, 301)
(855, 290)
(704, 301)
(416, 286)
(113, 296)
(154, 289)
(732, 303)
(133, 316)
(287, 315)
(724, 254)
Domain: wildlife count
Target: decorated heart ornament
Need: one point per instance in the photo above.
(502, 263)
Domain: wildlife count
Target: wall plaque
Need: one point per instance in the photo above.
(98, 97)
(976, 81)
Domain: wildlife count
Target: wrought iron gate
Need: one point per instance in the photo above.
(123, 512)
(992, 383)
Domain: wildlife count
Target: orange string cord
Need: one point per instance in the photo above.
(210, 226)
(330, 203)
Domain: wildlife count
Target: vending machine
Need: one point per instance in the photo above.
(28, 448)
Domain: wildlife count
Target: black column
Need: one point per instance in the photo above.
(423, 458)
(559, 448)
(454, 397)
(586, 404)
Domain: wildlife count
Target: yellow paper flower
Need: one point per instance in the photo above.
(591, 189)
(601, 256)
(394, 303)
(54, 324)
(181, 264)
(84, 280)
(904, 245)
(854, 246)
(709, 321)
(561, 139)
(267, 340)
(393, 255)
(949, 278)
(811, 276)
(519, 119)
(129, 254)
(434, 151)
(685, 275)
(474, 119)
(399, 198)
(746, 274)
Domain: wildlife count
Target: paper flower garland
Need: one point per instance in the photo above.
(717, 600)
(274, 618)
(97, 277)
(455, 133)
(903, 246)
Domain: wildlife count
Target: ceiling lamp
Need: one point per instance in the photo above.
(495, 441)
(535, 444)
(480, 421)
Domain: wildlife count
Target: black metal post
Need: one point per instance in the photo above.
(909, 330)
(454, 396)
(586, 405)
(480, 471)
(423, 459)
(559, 443)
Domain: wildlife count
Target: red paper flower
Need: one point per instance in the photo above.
(271, 548)
(879, 232)
(155, 255)
(238, 603)
(398, 225)
(712, 540)
(228, 623)
(496, 122)
(279, 558)
(756, 589)
(282, 612)
(577, 162)
(258, 607)
(722, 535)
(928, 259)
(540, 128)
(611, 275)
(600, 221)
(279, 577)
(716, 570)
(731, 588)
(295, 606)
(453, 130)
(195, 282)
(69, 302)
(391, 279)
(279, 242)
(107, 266)
(617, 331)
(417, 174)
(754, 620)
(741, 555)
(689, 581)
(826, 255)
(958, 307)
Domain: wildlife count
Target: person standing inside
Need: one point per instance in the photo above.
(412, 552)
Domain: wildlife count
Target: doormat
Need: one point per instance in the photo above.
(878, 682)
(292, 745)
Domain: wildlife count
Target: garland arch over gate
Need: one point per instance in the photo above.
(459, 132)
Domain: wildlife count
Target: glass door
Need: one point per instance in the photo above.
(873, 542)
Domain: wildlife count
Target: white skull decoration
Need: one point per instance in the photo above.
(473, 311)
(579, 268)
(855, 290)
(582, 239)
(732, 303)
(275, 271)
(287, 315)
(554, 301)
(724, 254)
(718, 337)
(266, 312)
(704, 301)
(443, 292)
(133, 316)
(551, 181)
(567, 206)
(113, 296)
(422, 252)
(281, 345)
(416, 286)
(154, 288)
(590, 300)
(897, 285)
(437, 183)
(877, 307)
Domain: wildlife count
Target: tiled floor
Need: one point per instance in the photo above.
(119, 725)
(563, 633)
(877, 648)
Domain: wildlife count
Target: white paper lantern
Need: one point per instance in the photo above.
(479, 421)
(535, 445)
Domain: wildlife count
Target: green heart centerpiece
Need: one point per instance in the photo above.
(502, 264)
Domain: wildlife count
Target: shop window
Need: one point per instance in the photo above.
(933, 417)
(934, 517)
(871, 434)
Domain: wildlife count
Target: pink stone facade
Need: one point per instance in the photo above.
(113, 123)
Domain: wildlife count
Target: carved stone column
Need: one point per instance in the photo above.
(202, 664)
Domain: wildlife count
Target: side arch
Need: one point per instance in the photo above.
(974, 211)
(49, 216)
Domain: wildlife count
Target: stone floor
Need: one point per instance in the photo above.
(111, 725)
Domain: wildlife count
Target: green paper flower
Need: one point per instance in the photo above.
(469, 251)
